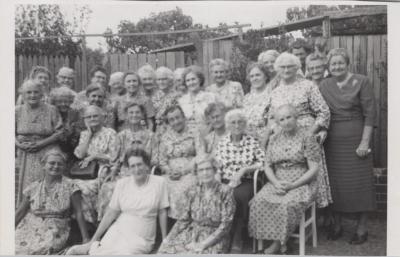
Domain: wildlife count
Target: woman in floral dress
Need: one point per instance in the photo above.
(205, 215)
(292, 160)
(43, 218)
(38, 127)
(178, 147)
(255, 103)
(312, 109)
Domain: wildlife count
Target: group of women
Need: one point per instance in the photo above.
(161, 145)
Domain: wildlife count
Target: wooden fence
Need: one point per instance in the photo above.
(112, 62)
(368, 56)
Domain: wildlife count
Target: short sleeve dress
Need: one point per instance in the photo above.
(230, 94)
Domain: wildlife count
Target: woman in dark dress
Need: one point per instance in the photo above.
(348, 154)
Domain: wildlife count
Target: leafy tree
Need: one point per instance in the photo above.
(48, 20)
(164, 21)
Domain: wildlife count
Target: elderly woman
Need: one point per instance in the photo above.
(267, 59)
(62, 98)
(165, 96)
(195, 101)
(116, 84)
(316, 67)
(65, 77)
(41, 75)
(228, 92)
(255, 103)
(148, 79)
(239, 155)
(97, 144)
(179, 86)
(215, 113)
(292, 160)
(351, 100)
(134, 136)
(38, 127)
(178, 146)
(206, 214)
(129, 225)
(43, 217)
(311, 107)
(134, 94)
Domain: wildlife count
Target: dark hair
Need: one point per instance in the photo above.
(300, 43)
(197, 71)
(141, 107)
(97, 68)
(170, 109)
(131, 73)
(258, 65)
(94, 87)
(136, 152)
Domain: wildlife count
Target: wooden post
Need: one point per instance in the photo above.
(84, 64)
(326, 27)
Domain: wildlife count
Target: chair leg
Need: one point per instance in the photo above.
(302, 236)
(314, 227)
(254, 245)
(260, 244)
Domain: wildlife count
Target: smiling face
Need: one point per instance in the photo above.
(134, 115)
(205, 172)
(257, 78)
(219, 73)
(54, 165)
(93, 117)
(163, 82)
(63, 103)
(176, 120)
(131, 83)
(192, 82)
(217, 119)
(138, 168)
(316, 68)
(300, 53)
(286, 119)
(42, 79)
(65, 77)
(100, 78)
(338, 66)
(96, 98)
(147, 81)
(237, 125)
(288, 69)
(268, 62)
(32, 93)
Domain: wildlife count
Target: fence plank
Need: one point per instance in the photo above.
(170, 60)
(363, 54)
(20, 70)
(383, 100)
(114, 62)
(78, 75)
(132, 62)
(123, 62)
(161, 59)
(142, 60)
(350, 49)
(152, 60)
(335, 41)
(370, 59)
(356, 54)
(179, 59)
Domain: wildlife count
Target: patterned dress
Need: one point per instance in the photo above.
(161, 101)
(210, 142)
(312, 109)
(142, 139)
(176, 152)
(45, 228)
(254, 107)
(230, 94)
(204, 214)
(32, 125)
(104, 141)
(194, 107)
(273, 216)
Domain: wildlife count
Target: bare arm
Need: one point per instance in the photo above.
(105, 223)
(76, 200)
(363, 148)
(306, 178)
(22, 210)
(162, 218)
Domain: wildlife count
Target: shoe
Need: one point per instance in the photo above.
(334, 235)
(357, 239)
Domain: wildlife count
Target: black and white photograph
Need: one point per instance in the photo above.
(253, 128)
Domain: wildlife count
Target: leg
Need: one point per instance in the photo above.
(362, 223)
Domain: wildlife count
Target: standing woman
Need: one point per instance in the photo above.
(267, 59)
(195, 101)
(40, 75)
(230, 93)
(316, 67)
(313, 112)
(349, 159)
(179, 86)
(255, 103)
(38, 127)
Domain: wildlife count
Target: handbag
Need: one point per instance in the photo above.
(90, 172)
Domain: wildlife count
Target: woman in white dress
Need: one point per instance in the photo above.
(129, 225)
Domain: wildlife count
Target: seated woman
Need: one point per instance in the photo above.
(178, 147)
(215, 114)
(291, 167)
(97, 144)
(239, 155)
(42, 219)
(129, 225)
(205, 217)
(134, 136)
